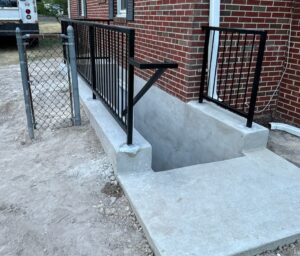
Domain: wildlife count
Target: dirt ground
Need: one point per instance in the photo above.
(58, 195)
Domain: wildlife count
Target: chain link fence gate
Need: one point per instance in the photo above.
(49, 77)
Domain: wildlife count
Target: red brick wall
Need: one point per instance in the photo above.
(96, 9)
(288, 106)
(273, 16)
(171, 29)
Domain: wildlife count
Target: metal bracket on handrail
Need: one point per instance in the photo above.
(161, 69)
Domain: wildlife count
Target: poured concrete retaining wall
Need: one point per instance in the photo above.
(183, 134)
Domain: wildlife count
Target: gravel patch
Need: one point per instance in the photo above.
(286, 250)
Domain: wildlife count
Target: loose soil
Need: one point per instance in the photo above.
(50, 192)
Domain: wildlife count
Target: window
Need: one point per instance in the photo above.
(125, 9)
(121, 8)
(81, 8)
(8, 3)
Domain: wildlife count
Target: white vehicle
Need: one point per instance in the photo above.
(18, 13)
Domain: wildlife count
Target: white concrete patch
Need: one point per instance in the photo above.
(241, 206)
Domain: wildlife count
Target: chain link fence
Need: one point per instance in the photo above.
(47, 80)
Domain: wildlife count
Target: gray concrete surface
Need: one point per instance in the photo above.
(241, 206)
(113, 138)
(185, 134)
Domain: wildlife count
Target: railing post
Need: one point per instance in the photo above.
(92, 55)
(130, 94)
(260, 57)
(204, 65)
(25, 82)
(75, 92)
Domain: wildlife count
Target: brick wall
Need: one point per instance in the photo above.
(288, 105)
(273, 16)
(171, 29)
(96, 9)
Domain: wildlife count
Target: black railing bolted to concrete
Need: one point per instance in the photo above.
(105, 60)
(231, 69)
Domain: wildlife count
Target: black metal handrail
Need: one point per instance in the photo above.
(105, 59)
(102, 53)
(231, 69)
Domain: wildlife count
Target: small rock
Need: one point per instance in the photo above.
(110, 211)
(113, 200)
(114, 182)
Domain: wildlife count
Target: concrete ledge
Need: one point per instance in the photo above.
(250, 138)
(138, 157)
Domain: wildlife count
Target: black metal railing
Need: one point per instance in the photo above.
(102, 54)
(231, 70)
(105, 59)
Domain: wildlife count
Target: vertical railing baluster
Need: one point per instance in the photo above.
(92, 59)
(216, 69)
(130, 88)
(241, 71)
(258, 68)
(228, 66)
(249, 71)
(122, 73)
(234, 68)
(222, 65)
(118, 71)
(210, 60)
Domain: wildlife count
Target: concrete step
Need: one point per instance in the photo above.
(240, 206)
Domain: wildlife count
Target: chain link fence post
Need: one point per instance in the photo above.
(25, 82)
(74, 78)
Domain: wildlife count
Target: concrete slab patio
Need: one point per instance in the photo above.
(241, 206)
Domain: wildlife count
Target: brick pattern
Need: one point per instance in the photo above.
(288, 105)
(96, 9)
(171, 29)
(273, 16)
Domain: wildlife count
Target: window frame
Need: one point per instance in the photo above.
(82, 8)
(121, 13)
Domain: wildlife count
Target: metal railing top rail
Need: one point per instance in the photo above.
(99, 25)
(235, 30)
